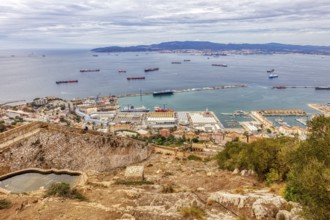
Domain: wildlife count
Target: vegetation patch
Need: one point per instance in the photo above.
(193, 212)
(194, 157)
(168, 189)
(304, 166)
(64, 190)
(4, 204)
(129, 182)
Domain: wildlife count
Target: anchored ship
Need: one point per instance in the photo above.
(135, 77)
(89, 70)
(322, 87)
(66, 81)
(222, 65)
(164, 92)
(151, 69)
(279, 87)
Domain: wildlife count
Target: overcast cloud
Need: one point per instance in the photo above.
(95, 23)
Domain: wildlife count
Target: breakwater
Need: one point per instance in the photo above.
(187, 90)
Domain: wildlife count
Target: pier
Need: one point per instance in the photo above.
(293, 112)
(187, 90)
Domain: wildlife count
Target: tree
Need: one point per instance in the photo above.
(309, 177)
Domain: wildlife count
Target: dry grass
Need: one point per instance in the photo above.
(193, 211)
(4, 204)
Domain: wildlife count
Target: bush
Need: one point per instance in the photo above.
(168, 189)
(309, 177)
(4, 204)
(267, 157)
(193, 211)
(64, 190)
(194, 157)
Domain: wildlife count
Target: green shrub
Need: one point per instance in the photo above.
(4, 203)
(168, 189)
(194, 157)
(193, 211)
(309, 176)
(64, 190)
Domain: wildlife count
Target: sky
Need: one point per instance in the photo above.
(98, 23)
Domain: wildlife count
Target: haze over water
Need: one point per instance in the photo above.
(27, 74)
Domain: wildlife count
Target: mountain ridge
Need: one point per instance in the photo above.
(206, 45)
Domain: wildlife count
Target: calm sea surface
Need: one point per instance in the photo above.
(29, 74)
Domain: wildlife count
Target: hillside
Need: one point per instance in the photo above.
(205, 45)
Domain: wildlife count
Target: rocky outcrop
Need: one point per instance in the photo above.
(258, 204)
(66, 148)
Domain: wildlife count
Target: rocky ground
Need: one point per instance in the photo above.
(221, 194)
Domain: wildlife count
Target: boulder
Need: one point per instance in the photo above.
(134, 173)
(236, 171)
(283, 215)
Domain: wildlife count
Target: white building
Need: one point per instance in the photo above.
(161, 119)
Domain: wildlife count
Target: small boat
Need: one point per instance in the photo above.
(270, 71)
(121, 71)
(175, 62)
(186, 60)
(271, 76)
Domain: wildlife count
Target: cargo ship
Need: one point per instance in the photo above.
(66, 81)
(270, 71)
(322, 88)
(131, 108)
(271, 76)
(135, 78)
(89, 70)
(279, 87)
(164, 92)
(175, 62)
(222, 65)
(151, 69)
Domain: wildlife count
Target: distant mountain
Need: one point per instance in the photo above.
(205, 45)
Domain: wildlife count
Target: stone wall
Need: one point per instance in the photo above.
(69, 148)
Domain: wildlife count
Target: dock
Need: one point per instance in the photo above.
(292, 112)
(188, 90)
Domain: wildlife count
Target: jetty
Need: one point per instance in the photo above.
(187, 90)
(290, 112)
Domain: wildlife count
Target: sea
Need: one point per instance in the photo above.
(27, 74)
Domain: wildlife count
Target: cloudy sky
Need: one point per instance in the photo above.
(95, 23)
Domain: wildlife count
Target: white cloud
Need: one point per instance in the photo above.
(91, 23)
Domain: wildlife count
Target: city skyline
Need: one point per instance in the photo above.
(89, 24)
